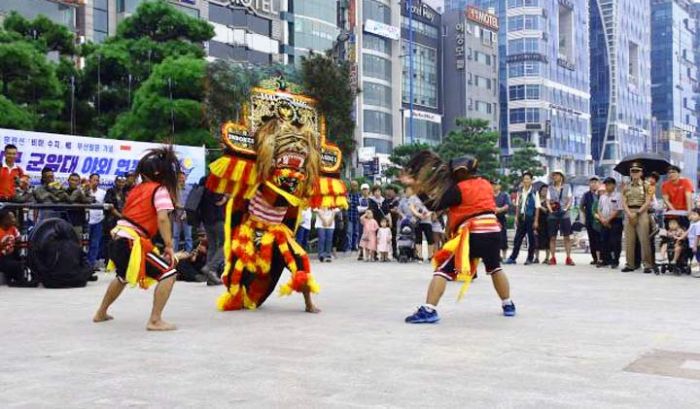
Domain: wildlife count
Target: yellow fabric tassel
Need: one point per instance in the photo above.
(219, 166)
(465, 286)
(227, 237)
(313, 285)
(133, 269)
(290, 198)
(285, 289)
(247, 302)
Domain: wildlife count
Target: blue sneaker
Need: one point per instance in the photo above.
(509, 310)
(423, 316)
(510, 261)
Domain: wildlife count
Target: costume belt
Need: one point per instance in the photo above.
(136, 269)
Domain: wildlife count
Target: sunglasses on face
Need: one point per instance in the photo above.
(635, 171)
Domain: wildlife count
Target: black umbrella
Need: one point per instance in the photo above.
(650, 162)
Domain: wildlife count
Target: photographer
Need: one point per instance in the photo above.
(559, 200)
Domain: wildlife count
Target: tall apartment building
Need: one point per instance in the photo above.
(620, 79)
(421, 90)
(374, 50)
(471, 83)
(544, 76)
(674, 82)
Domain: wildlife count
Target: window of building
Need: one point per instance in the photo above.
(313, 35)
(424, 131)
(376, 94)
(524, 45)
(376, 10)
(483, 107)
(376, 67)
(378, 122)
(524, 69)
(420, 27)
(482, 58)
(31, 9)
(380, 145)
(425, 75)
(633, 62)
(525, 22)
(376, 43)
(100, 13)
(524, 115)
(566, 33)
(319, 9)
(523, 3)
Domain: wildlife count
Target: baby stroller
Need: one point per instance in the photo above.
(684, 261)
(406, 241)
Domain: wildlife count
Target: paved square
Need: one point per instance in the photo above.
(576, 331)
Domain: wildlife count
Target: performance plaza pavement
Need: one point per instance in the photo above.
(583, 338)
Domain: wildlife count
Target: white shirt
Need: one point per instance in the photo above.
(610, 203)
(325, 213)
(693, 233)
(306, 219)
(97, 215)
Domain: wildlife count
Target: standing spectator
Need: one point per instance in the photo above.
(424, 228)
(390, 207)
(586, 207)
(24, 192)
(353, 227)
(384, 240)
(339, 232)
(304, 230)
(362, 208)
(130, 182)
(325, 224)
(116, 198)
(635, 202)
(10, 263)
(10, 173)
(559, 200)
(502, 205)
(49, 191)
(211, 212)
(438, 229)
(375, 203)
(693, 234)
(610, 217)
(369, 235)
(527, 213)
(655, 205)
(180, 216)
(542, 228)
(678, 194)
(76, 195)
(96, 216)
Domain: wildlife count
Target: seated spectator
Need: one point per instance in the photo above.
(50, 190)
(24, 192)
(674, 236)
(10, 263)
(192, 263)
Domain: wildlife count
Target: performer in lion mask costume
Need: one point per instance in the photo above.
(276, 163)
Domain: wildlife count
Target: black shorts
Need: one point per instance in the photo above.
(484, 246)
(156, 267)
(424, 230)
(559, 225)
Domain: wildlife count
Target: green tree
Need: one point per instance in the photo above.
(328, 81)
(524, 158)
(13, 116)
(169, 105)
(116, 69)
(473, 137)
(402, 154)
(44, 33)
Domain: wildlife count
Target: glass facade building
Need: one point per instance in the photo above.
(63, 14)
(422, 119)
(620, 80)
(674, 82)
(544, 76)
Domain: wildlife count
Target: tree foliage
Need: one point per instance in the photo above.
(328, 81)
(169, 106)
(524, 159)
(473, 137)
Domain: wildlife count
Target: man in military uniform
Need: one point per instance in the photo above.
(636, 202)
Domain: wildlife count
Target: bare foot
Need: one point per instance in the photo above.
(102, 317)
(312, 309)
(160, 326)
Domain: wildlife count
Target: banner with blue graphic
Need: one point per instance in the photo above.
(109, 158)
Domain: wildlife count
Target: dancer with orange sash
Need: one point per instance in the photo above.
(473, 227)
(132, 253)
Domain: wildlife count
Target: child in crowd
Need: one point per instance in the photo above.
(384, 240)
(676, 235)
(368, 243)
(692, 234)
(438, 229)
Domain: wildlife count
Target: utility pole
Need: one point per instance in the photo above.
(410, 71)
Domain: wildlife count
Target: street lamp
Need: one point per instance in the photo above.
(410, 71)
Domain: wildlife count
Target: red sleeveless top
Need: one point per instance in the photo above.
(140, 208)
(477, 198)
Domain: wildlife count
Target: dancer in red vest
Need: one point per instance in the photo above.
(473, 226)
(131, 251)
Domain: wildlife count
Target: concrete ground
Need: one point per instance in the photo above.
(583, 338)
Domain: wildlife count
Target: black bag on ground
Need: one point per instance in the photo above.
(192, 205)
(55, 255)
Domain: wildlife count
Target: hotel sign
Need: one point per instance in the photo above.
(257, 7)
(383, 30)
(483, 18)
(420, 10)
